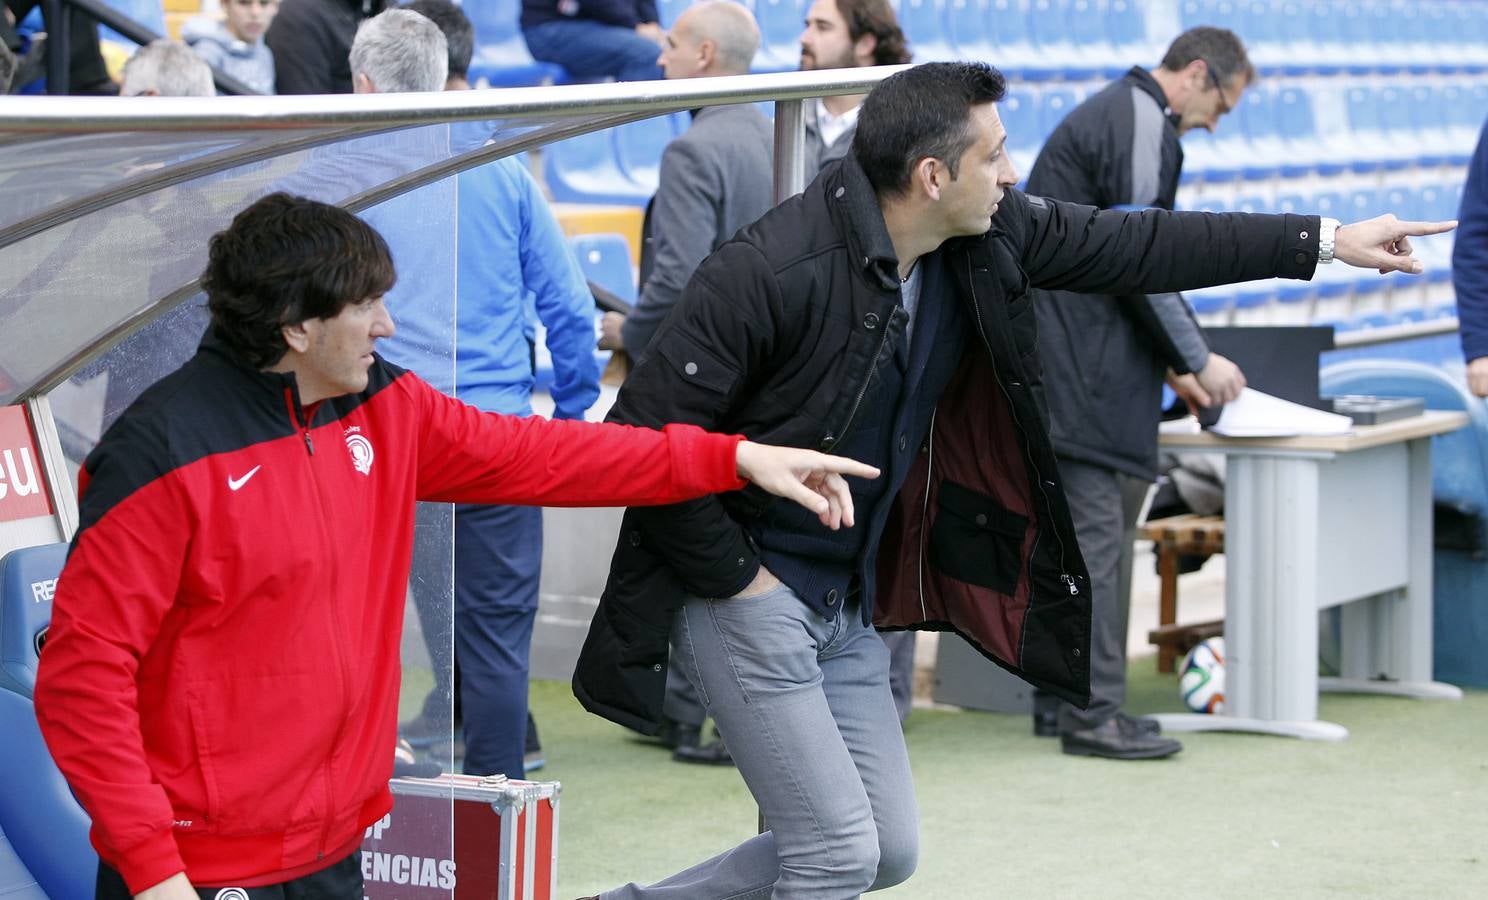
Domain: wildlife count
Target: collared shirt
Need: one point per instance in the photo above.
(832, 127)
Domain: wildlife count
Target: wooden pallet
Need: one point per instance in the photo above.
(1171, 538)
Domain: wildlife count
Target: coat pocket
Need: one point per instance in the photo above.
(976, 540)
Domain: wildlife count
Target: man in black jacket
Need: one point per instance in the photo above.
(1106, 356)
(884, 314)
(311, 40)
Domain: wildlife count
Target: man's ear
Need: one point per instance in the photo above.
(707, 55)
(297, 336)
(864, 48)
(361, 84)
(928, 176)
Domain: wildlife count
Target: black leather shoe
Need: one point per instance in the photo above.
(1110, 741)
(1138, 724)
(676, 735)
(714, 754)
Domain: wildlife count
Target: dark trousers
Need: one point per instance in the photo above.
(342, 881)
(497, 565)
(1104, 504)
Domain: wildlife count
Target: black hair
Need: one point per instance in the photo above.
(459, 34)
(285, 260)
(920, 112)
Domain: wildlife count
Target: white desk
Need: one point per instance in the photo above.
(1316, 522)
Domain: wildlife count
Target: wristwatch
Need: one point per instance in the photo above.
(1327, 231)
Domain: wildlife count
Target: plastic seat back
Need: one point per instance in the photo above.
(923, 22)
(28, 578)
(605, 259)
(780, 23)
(639, 145)
(967, 24)
(44, 849)
(584, 169)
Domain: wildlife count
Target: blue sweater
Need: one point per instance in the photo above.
(1470, 256)
(513, 269)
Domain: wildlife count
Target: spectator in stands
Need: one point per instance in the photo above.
(311, 42)
(1470, 269)
(1105, 358)
(715, 179)
(235, 43)
(884, 313)
(514, 269)
(86, 72)
(844, 34)
(595, 38)
(166, 68)
(220, 681)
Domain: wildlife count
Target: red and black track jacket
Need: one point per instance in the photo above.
(221, 678)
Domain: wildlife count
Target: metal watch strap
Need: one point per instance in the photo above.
(1327, 232)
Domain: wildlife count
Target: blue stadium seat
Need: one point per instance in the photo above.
(605, 259)
(27, 578)
(1019, 111)
(44, 849)
(1051, 30)
(781, 23)
(638, 147)
(1054, 105)
(585, 169)
(1459, 484)
(1366, 132)
(1089, 30)
(924, 23)
(1256, 121)
(967, 25)
(1014, 50)
(501, 58)
(667, 11)
(149, 13)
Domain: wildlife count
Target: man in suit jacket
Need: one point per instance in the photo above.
(844, 34)
(715, 179)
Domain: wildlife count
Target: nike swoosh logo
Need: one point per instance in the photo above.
(235, 483)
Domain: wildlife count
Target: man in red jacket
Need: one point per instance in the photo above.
(221, 680)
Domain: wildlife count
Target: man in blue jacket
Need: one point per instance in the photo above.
(513, 269)
(1470, 269)
(595, 38)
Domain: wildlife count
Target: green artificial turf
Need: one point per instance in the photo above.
(1400, 809)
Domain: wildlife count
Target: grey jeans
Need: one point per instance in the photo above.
(805, 707)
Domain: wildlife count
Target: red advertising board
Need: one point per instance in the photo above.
(23, 489)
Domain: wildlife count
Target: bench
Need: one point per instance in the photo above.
(1172, 537)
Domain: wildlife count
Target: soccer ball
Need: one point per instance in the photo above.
(1201, 678)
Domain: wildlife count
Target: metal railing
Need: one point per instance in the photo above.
(586, 108)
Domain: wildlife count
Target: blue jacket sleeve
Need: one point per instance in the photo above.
(1470, 256)
(564, 304)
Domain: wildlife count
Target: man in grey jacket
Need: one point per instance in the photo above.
(1104, 362)
(844, 34)
(715, 179)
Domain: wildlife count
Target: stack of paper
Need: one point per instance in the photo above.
(1254, 414)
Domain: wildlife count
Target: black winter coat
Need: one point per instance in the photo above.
(775, 337)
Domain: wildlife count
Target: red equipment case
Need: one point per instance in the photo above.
(465, 837)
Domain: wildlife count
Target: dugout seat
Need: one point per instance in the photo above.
(639, 145)
(586, 169)
(27, 578)
(780, 23)
(605, 260)
(44, 849)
